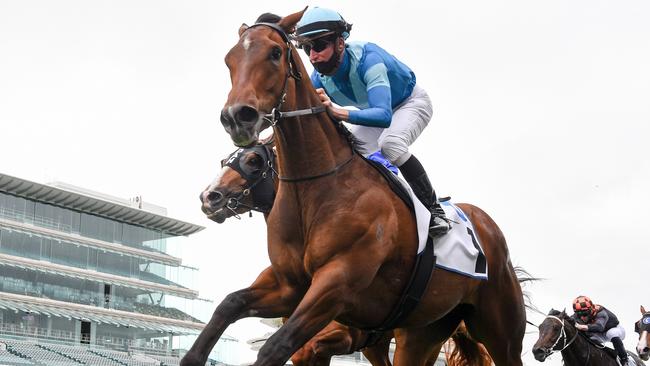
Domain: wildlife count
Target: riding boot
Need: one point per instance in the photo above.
(417, 178)
(620, 349)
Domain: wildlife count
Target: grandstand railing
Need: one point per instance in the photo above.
(68, 338)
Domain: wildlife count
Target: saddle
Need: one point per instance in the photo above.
(611, 352)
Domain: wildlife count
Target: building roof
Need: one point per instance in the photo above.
(96, 206)
(44, 232)
(95, 314)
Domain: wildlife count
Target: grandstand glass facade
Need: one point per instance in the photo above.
(95, 275)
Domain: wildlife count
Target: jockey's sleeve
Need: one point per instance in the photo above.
(598, 326)
(315, 81)
(378, 113)
(380, 104)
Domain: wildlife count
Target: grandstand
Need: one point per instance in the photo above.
(86, 278)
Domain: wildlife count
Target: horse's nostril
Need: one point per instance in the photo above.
(214, 196)
(246, 114)
(226, 120)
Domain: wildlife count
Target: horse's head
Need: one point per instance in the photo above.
(552, 334)
(643, 328)
(261, 65)
(245, 183)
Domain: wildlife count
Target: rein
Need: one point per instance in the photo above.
(561, 335)
(276, 115)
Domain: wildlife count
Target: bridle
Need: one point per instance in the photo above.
(562, 335)
(276, 115)
(264, 195)
(643, 324)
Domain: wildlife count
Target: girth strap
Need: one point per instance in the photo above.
(424, 265)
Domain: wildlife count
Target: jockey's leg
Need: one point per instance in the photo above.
(620, 350)
(409, 120)
(417, 178)
(616, 336)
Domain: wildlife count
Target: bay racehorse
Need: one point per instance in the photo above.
(643, 328)
(247, 181)
(341, 244)
(558, 333)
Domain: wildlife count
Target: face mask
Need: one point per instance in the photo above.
(329, 67)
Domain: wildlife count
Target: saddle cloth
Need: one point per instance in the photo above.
(459, 250)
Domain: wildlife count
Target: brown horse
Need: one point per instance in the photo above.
(342, 245)
(558, 333)
(246, 182)
(643, 328)
(243, 184)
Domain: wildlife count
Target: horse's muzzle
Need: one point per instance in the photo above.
(541, 353)
(212, 205)
(241, 122)
(644, 354)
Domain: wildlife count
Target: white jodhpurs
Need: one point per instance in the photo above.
(617, 331)
(409, 120)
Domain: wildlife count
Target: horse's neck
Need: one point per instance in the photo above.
(308, 145)
(581, 352)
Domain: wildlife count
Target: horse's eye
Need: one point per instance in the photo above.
(276, 53)
(255, 160)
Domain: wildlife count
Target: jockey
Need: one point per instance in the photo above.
(393, 109)
(599, 324)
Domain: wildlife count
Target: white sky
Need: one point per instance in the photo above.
(542, 115)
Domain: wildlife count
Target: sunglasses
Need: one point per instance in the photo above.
(583, 313)
(317, 45)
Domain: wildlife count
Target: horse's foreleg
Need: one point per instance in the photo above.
(323, 301)
(265, 298)
(377, 354)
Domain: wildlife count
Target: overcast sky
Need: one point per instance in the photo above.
(541, 118)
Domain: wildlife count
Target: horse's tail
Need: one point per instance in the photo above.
(465, 351)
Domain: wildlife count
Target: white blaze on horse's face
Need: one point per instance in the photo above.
(246, 43)
(642, 348)
(213, 186)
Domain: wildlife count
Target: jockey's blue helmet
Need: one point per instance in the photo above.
(317, 22)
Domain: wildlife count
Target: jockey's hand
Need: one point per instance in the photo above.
(581, 327)
(335, 112)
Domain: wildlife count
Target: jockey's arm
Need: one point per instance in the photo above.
(598, 326)
(380, 104)
(379, 112)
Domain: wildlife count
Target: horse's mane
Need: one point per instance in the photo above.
(524, 277)
(268, 18)
(555, 313)
(355, 143)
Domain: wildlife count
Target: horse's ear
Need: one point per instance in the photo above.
(242, 29)
(642, 310)
(289, 22)
(563, 313)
